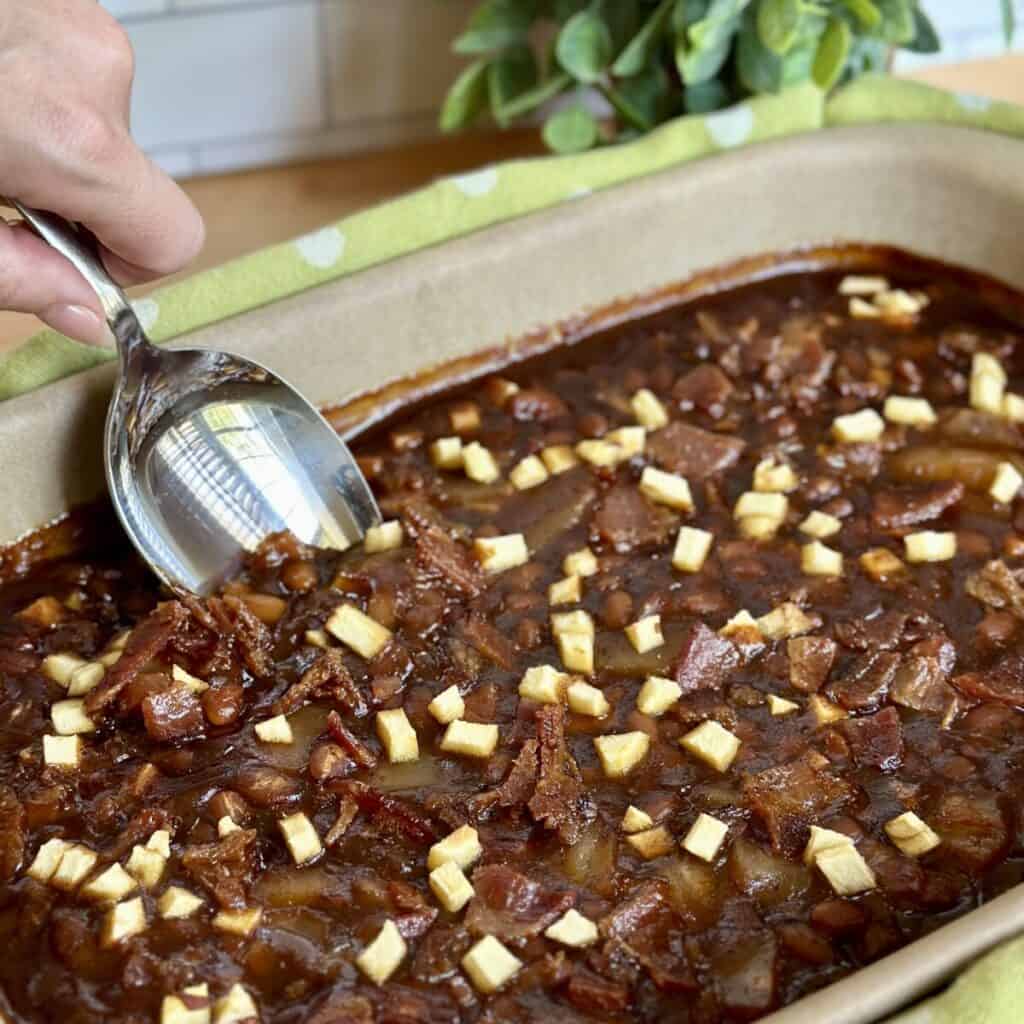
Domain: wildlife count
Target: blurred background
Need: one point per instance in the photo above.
(272, 81)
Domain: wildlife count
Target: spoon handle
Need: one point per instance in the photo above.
(79, 247)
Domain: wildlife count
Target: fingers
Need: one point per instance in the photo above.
(36, 279)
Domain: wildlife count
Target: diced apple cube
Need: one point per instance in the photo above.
(779, 706)
(930, 546)
(479, 464)
(785, 621)
(585, 699)
(573, 929)
(600, 453)
(705, 837)
(824, 710)
(461, 847)
(226, 825)
(490, 965)
(1012, 408)
(1006, 484)
(62, 751)
(471, 739)
(301, 837)
(846, 870)
(645, 634)
(880, 564)
(358, 631)
(861, 309)
(567, 591)
(447, 705)
(384, 537)
(580, 563)
(500, 390)
(88, 676)
(898, 304)
(823, 839)
(189, 681)
(160, 842)
(577, 652)
(620, 753)
(451, 887)
(713, 744)
(631, 440)
(755, 504)
(398, 736)
(123, 921)
(855, 427)
(238, 922)
(818, 560)
(820, 525)
(913, 412)
(987, 384)
(496, 554)
(652, 843)
(110, 886)
(77, 862)
(911, 835)
(657, 695)
(464, 417)
(635, 820)
(758, 527)
(236, 1007)
(648, 410)
(147, 866)
(274, 730)
(771, 476)
(47, 860)
(317, 638)
(572, 622)
(861, 284)
(692, 549)
(446, 453)
(69, 717)
(666, 489)
(742, 628)
(530, 472)
(558, 458)
(544, 684)
(174, 1009)
(59, 667)
(177, 902)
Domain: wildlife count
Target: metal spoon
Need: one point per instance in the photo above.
(207, 453)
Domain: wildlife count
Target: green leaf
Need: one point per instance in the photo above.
(466, 99)
(926, 39)
(865, 11)
(722, 17)
(536, 97)
(642, 100)
(509, 76)
(778, 24)
(635, 57)
(833, 49)
(759, 69)
(622, 18)
(565, 9)
(706, 97)
(1009, 21)
(584, 46)
(699, 64)
(897, 25)
(572, 130)
(867, 54)
(496, 24)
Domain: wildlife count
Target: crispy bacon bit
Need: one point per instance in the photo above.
(344, 1008)
(921, 683)
(326, 677)
(536, 405)
(395, 816)
(347, 811)
(173, 714)
(1004, 682)
(438, 555)
(898, 510)
(355, 748)
(251, 637)
(12, 833)
(488, 641)
(226, 868)
(792, 797)
(146, 642)
(694, 453)
(865, 685)
(996, 586)
(973, 827)
(594, 994)
(744, 958)
(877, 632)
(875, 740)
(627, 521)
(521, 781)
(560, 801)
(705, 660)
(810, 660)
(511, 906)
(266, 787)
(705, 388)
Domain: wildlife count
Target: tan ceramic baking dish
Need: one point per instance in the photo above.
(951, 193)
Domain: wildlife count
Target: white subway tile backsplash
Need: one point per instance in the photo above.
(206, 76)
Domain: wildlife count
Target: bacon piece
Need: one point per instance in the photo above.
(876, 632)
(694, 453)
(173, 714)
(705, 660)
(355, 748)
(252, 638)
(489, 641)
(326, 677)
(560, 801)
(875, 740)
(705, 388)
(996, 586)
(225, 868)
(511, 906)
(973, 827)
(145, 642)
(921, 683)
(1003, 682)
(536, 405)
(810, 660)
(865, 685)
(440, 556)
(393, 815)
(627, 521)
(12, 833)
(594, 994)
(898, 510)
(792, 797)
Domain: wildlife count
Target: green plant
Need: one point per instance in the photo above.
(655, 59)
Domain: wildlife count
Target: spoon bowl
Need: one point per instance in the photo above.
(207, 453)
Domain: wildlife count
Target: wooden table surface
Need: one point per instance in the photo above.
(251, 209)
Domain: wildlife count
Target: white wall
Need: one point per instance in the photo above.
(223, 84)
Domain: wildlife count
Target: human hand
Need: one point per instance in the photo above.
(66, 70)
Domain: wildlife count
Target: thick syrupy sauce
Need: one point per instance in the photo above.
(921, 666)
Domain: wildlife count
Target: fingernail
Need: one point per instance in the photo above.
(78, 322)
